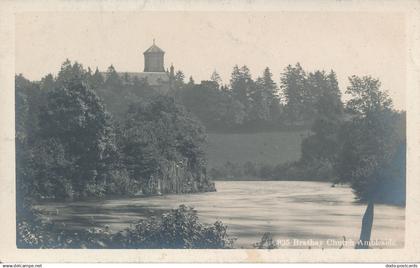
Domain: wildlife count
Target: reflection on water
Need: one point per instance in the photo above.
(298, 214)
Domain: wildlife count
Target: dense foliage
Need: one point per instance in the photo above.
(158, 132)
(246, 103)
(70, 151)
(178, 228)
(119, 92)
(67, 142)
(319, 151)
(241, 106)
(372, 158)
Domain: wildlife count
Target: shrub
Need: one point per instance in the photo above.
(267, 242)
(180, 228)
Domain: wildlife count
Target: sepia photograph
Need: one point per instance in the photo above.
(211, 129)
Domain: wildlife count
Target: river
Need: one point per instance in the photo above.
(299, 214)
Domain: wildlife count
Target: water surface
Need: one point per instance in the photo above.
(298, 214)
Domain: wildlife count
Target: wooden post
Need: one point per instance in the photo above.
(367, 222)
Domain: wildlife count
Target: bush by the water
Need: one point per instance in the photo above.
(179, 228)
(267, 242)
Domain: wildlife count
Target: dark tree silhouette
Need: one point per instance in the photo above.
(372, 142)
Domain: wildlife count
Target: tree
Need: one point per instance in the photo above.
(236, 113)
(372, 158)
(70, 73)
(263, 97)
(329, 102)
(215, 77)
(179, 79)
(96, 80)
(242, 85)
(293, 85)
(191, 81)
(75, 121)
(323, 144)
(47, 83)
(25, 129)
(156, 132)
(316, 84)
(268, 84)
(207, 103)
(118, 93)
(112, 80)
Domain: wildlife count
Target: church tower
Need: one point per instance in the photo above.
(153, 59)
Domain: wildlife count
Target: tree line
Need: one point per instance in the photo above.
(119, 133)
(246, 104)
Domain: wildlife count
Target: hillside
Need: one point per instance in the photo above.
(269, 148)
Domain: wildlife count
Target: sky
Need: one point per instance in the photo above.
(350, 43)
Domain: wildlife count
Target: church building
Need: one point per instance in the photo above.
(154, 70)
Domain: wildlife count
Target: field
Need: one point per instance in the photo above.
(260, 148)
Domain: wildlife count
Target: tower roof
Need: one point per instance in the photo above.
(154, 49)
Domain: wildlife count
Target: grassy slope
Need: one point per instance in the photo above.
(261, 148)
